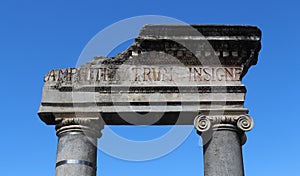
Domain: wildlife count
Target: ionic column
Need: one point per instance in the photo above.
(77, 146)
(223, 137)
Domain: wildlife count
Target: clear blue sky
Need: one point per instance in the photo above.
(37, 36)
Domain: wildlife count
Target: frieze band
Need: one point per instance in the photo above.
(144, 74)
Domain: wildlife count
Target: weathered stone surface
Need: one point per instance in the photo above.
(223, 154)
(77, 145)
(170, 75)
(76, 149)
(184, 69)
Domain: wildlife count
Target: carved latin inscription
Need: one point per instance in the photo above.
(145, 74)
(215, 73)
(153, 74)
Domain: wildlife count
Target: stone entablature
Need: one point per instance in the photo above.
(194, 69)
(177, 74)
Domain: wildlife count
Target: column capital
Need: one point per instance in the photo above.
(88, 126)
(238, 123)
(204, 123)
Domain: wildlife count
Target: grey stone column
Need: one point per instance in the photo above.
(223, 137)
(77, 146)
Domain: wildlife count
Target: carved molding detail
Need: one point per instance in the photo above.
(153, 89)
(90, 127)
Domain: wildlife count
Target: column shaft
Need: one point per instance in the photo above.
(223, 154)
(76, 155)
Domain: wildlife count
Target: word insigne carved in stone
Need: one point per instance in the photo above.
(145, 74)
(215, 73)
